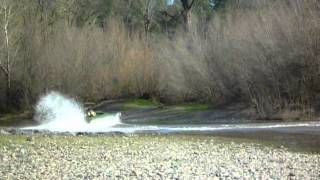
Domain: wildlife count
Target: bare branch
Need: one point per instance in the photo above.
(190, 6)
(2, 67)
(186, 5)
(165, 13)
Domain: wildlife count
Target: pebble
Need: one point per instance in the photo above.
(149, 157)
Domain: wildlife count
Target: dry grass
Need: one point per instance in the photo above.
(265, 53)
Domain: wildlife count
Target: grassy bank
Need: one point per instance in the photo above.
(138, 103)
(17, 118)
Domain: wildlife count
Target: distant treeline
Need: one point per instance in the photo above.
(264, 53)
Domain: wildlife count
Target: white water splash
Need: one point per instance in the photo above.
(56, 112)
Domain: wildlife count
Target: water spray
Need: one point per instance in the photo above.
(57, 112)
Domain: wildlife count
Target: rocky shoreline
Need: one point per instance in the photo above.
(149, 157)
(29, 132)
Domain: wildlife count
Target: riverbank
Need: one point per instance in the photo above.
(156, 157)
(149, 112)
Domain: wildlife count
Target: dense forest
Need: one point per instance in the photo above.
(264, 53)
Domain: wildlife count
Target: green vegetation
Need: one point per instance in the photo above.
(17, 118)
(141, 104)
(7, 116)
(153, 104)
(11, 118)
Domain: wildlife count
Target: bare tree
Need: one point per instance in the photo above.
(185, 13)
(187, 5)
(147, 15)
(5, 66)
(7, 59)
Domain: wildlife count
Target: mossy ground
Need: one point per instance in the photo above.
(153, 104)
(7, 119)
(16, 119)
(141, 104)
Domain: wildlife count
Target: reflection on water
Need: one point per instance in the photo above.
(295, 139)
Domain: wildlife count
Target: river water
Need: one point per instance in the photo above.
(59, 114)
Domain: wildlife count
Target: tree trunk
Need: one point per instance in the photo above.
(146, 25)
(186, 19)
(7, 68)
(146, 17)
(8, 89)
(186, 13)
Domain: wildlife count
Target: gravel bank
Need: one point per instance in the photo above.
(149, 157)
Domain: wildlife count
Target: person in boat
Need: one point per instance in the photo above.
(91, 113)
